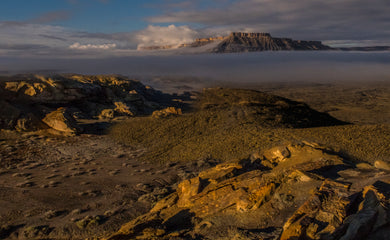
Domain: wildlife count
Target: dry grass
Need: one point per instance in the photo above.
(223, 128)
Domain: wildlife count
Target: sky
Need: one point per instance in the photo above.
(85, 28)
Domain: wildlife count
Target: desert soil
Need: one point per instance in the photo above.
(53, 183)
(89, 185)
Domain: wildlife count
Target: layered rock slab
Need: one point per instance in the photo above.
(250, 200)
(61, 120)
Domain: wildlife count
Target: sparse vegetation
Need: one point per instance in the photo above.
(89, 221)
(228, 124)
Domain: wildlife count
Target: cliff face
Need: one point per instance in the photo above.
(197, 43)
(252, 42)
(247, 42)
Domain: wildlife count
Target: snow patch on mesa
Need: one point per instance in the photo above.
(79, 46)
(165, 36)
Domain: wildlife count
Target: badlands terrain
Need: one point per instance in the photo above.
(106, 157)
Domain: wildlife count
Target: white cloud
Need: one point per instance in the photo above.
(27, 39)
(161, 36)
(105, 46)
(306, 19)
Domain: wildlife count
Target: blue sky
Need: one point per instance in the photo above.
(89, 15)
(74, 27)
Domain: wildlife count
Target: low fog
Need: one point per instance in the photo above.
(191, 72)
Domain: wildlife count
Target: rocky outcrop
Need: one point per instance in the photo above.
(12, 117)
(321, 214)
(333, 212)
(26, 99)
(268, 110)
(248, 200)
(170, 111)
(61, 120)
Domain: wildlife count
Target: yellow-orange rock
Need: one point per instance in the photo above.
(62, 121)
(170, 111)
(320, 214)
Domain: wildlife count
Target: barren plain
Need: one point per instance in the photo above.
(150, 165)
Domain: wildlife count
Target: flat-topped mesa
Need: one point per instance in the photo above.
(246, 42)
(255, 42)
(204, 41)
(210, 39)
(250, 35)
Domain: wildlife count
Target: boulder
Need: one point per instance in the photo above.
(62, 121)
(123, 109)
(382, 165)
(167, 112)
(107, 114)
(277, 154)
(364, 166)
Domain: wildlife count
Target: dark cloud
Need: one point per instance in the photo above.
(22, 46)
(343, 22)
(50, 17)
(330, 19)
(53, 37)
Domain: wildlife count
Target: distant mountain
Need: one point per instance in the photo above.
(255, 42)
(247, 42)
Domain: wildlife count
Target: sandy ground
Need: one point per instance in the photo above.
(89, 185)
(56, 182)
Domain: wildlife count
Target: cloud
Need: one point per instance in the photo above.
(161, 36)
(23, 47)
(50, 17)
(330, 19)
(342, 23)
(42, 40)
(79, 46)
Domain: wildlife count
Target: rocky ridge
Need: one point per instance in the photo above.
(33, 102)
(258, 198)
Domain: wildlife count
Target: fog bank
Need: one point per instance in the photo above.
(195, 71)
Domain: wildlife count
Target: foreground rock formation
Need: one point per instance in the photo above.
(32, 102)
(87, 186)
(259, 198)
